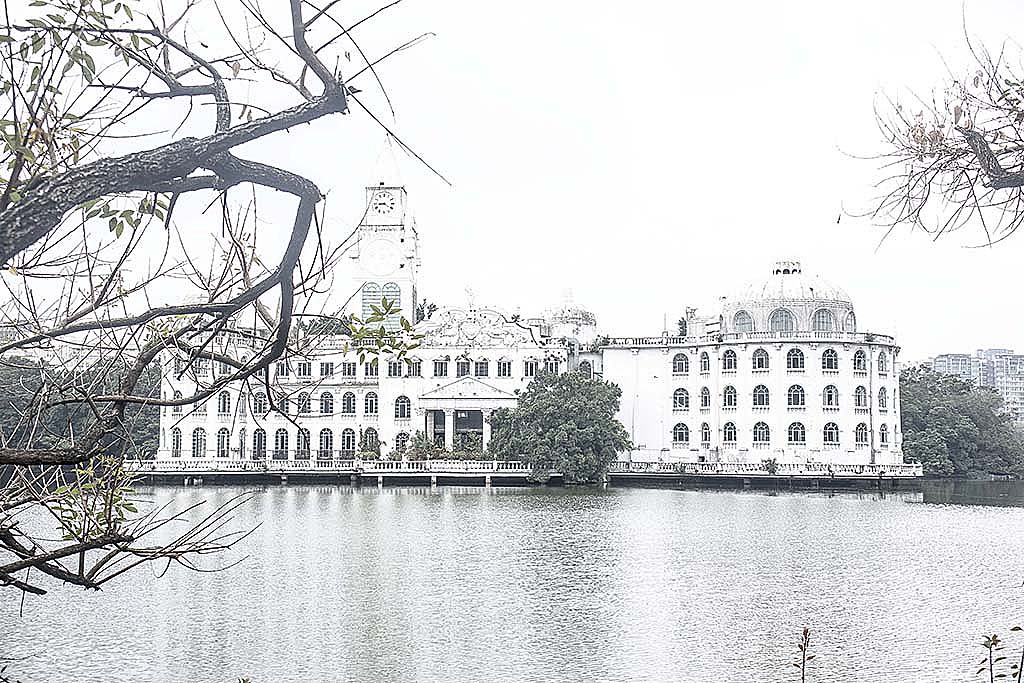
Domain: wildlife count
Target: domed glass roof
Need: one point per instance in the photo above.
(788, 282)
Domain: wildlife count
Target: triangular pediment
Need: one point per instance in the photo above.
(467, 387)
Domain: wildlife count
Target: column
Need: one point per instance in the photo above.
(449, 429)
(487, 430)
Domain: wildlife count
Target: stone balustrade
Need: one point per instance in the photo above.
(810, 469)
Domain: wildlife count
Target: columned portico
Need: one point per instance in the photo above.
(449, 428)
(466, 405)
(487, 428)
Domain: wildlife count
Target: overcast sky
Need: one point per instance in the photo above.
(648, 156)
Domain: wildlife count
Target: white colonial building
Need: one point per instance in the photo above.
(781, 373)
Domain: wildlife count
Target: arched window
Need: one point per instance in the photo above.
(175, 443)
(823, 321)
(797, 434)
(830, 360)
(862, 434)
(223, 403)
(705, 362)
(302, 444)
(371, 297)
(259, 404)
(729, 360)
(176, 410)
(393, 293)
(584, 368)
(882, 367)
(326, 444)
(781, 320)
(761, 433)
(281, 444)
(348, 443)
(705, 434)
(729, 397)
(403, 408)
(348, 403)
(761, 395)
(304, 403)
(370, 404)
(860, 397)
(401, 441)
(680, 433)
(370, 439)
(259, 444)
(831, 433)
(760, 359)
(795, 359)
(883, 434)
(680, 364)
(729, 433)
(742, 322)
(851, 322)
(883, 398)
(796, 396)
(830, 397)
(198, 442)
(326, 403)
(223, 442)
(705, 397)
(860, 361)
(680, 399)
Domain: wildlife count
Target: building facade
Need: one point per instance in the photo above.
(779, 373)
(1000, 369)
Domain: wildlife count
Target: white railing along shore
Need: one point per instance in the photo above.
(810, 469)
(354, 466)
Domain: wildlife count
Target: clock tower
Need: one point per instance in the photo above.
(385, 257)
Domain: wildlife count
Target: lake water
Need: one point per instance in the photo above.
(453, 584)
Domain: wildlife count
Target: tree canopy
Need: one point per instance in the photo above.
(957, 429)
(563, 423)
(142, 221)
(954, 157)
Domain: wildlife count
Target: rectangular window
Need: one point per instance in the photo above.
(530, 368)
(504, 368)
(282, 369)
(440, 368)
(371, 368)
(415, 369)
(326, 369)
(261, 374)
(202, 367)
(461, 368)
(304, 369)
(223, 368)
(394, 368)
(481, 368)
(551, 366)
(348, 369)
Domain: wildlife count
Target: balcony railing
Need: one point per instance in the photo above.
(692, 340)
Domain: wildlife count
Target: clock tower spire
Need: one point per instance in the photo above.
(385, 257)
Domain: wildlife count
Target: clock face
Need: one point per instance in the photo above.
(380, 257)
(383, 202)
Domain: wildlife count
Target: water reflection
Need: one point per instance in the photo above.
(1003, 493)
(500, 584)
